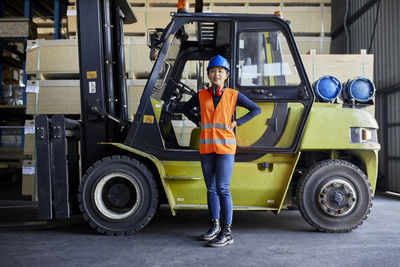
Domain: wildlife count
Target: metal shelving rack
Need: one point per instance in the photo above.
(49, 9)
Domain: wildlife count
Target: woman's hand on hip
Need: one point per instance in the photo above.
(233, 125)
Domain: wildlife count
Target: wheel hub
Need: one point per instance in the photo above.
(337, 197)
(117, 196)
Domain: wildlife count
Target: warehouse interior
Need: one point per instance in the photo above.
(39, 49)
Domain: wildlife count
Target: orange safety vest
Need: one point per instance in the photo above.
(215, 134)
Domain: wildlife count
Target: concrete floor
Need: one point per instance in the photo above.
(261, 239)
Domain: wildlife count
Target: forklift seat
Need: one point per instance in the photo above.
(195, 138)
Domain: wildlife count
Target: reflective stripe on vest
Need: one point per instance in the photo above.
(214, 125)
(218, 141)
(216, 137)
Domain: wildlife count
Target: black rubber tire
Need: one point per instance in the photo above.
(322, 173)
(145, 189)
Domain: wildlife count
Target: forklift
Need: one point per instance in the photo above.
(300, 152)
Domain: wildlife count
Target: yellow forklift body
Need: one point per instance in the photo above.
(252, 186)
(328, 124)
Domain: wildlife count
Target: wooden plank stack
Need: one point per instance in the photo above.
(62, 96)
(45, 28)
(310, 19)
(44, 57)
(17, 28)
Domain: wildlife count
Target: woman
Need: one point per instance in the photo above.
(218, 145)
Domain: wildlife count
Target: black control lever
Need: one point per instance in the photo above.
(97, 110)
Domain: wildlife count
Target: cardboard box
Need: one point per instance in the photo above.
(29, 182)
(29, 140)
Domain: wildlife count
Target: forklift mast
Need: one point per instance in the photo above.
(102, 74)
(103, 102)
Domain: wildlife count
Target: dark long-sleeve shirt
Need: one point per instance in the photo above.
(242, 101)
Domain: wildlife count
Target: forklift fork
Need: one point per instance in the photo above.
(57, 165)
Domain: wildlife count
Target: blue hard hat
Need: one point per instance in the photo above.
(218, 61)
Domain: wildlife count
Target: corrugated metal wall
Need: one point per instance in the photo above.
(388, 109)
(386, 49)
(385, 45)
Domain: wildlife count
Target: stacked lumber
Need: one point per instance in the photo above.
(44, 58)
(309, 19)
(45, 28)
(53, 97)
(17, 28)
(63, 96)
(305, 16)
(59, 58)
(343, 67)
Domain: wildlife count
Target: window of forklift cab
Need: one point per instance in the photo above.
(185, 33)
(167, 67)
(265, 60)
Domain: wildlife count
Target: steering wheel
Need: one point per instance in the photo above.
(183, 88)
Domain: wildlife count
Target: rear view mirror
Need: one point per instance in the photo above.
(154, 41)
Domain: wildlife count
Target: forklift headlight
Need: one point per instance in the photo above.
(363, 135)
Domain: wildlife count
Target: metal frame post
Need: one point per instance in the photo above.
(92, 80)
(28, 11)
(57, 19)
(2, 7)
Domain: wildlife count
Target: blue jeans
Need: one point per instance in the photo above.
(217, 171)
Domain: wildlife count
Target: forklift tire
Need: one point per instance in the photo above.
(118, 195)
(334, 196)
